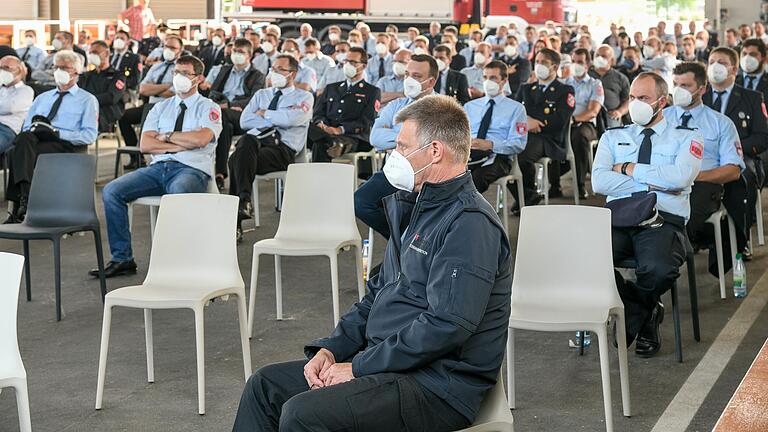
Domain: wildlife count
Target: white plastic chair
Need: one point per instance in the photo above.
(115, 134)
(580, 295)
(715, 221)
(501, 191)
(759, 219)
(494, 414)
(354, 159)
(318, 218)
(194, 260)
(279, 178)
(12, 372)
(545, 161)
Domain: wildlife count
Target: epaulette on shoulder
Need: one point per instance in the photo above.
(685, 128)
(616, 127)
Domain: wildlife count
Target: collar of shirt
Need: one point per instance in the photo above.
(73, 91)
(286, 90)
(189, 101)
(658, 129)
(756, 75)
(243, 70)
(496, 99)
(545, 85)
(409, 100)
(351, 84)
(727, 91)
(696, 112)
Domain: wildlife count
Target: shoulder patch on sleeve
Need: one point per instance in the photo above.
(214, 115)
(599, 90)
(697, 149)
(521, 128)
(739, 150)
(304, 106)
(377, 105)
(119, 84)
(571, 100)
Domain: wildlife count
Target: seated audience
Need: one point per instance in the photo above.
(450, 82)
(30, 53)
(392, 86)
(15, 100)
(107, 84)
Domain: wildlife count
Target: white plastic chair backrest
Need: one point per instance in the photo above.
(11, 266)
(194, 242)
(568, 147)
(318, 203)
(495, 407)
(301, 157)
(564, 256)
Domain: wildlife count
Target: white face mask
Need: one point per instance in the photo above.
(399, 171)
(749, 64)
(472, 44)
(310, 56)
(118, 44)
(381, 49)
(57, 44)
(216, 41)
(94, 59)
(491, 88)
(541, 71)
(479, 59)
(267, 47)
(278, 80)
(681, 97)
(412, 88)
(350, 71)
(398, 69)
(700, 44)
(649, 51)
(238, 59)
(717, 73)
(510, 51)
(419, 51)
(168, 55)
(441, 65)
(181, 84)
(641, 113)
(601, 62)
(61, 77)
(340, 57)
(29, 41)
(5, 77)
(579, 70)
(333, 36)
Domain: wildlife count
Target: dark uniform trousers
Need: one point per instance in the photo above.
(659, 253)
(705, 199)
(131, 117)
(535, 149)
(277, 397)
(483, 176)
(320, 141)
(230, 126)
(22, 158)
(251, 158)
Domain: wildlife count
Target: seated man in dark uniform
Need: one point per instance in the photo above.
(125, 61)
(345, 112)
(107, 84)
(426, 354)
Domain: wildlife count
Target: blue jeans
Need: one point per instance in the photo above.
(6, 138)
(368, 205)
(161, 178)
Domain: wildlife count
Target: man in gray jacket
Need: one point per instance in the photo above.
(420, 351)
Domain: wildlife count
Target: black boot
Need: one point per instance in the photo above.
(649, 338)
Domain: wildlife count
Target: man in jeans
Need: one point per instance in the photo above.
(180, 133)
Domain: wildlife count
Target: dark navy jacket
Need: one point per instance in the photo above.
(439, 308)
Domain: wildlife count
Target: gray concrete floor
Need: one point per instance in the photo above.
(557, 390)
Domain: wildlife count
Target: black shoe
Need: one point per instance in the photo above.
(746, 254)
(245, 211)
(220, 183)
(555, 192)
(530, 201)
(583, 194)
(239, 234)
(615, 340)
(649, 338)
(114, 268)
(11, 219)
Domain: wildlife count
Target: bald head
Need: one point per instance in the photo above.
(605, 51)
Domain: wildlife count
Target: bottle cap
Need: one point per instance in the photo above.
(738, 256)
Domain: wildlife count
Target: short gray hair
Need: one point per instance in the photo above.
(70, 57)
(440, 118)
(662, 88)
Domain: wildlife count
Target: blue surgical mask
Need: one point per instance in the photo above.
(628, 63)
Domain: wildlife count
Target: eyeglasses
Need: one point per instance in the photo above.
(354, 63)
(186, 74)
(281, 70)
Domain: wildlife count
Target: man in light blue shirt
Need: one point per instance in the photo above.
(499, 128)
(336, 73)
(722, 160)
(380, 64)
(391, 86)
(277, 119)
(651, 156)
(72, 113)
(30, 53)
(180, 133)
(306, 77)
(263, 62)
(468, 52)
(474, 73)
(15, 100)
(315, 59)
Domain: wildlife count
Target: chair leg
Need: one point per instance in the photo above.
(676, 321)
(103, 350)
(22, 403)
(252, 294)
(334, 257)
(100, 263)
(511, 368)
(520, 193)
(255, 203)
(621, 340)
(27, 271)
(117, 163)
(605, 373)
(759, 219)
(57, 274)
(504, 211)
(242, 318)
(693, 293)
(279, 287)
(581, 342)
(545, 183)
(732, 240)
(719, 252)
(279, 194)
(152, 221)
(130, 218)
(359, 271)
(575, 179)
(148, 336)
(371, 235)
(200, 344)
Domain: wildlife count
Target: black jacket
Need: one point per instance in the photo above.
(108, 86)
(206, 55)
(254, 81)
(456, 86)
(439, 308)
(522, 72)
(130, 67)
(554, 107)
(353, 109)
(458, 63)
(762, 85)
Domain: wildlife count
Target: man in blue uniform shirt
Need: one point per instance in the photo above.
(380, 65)
(650, 156)
(31, 54)
(499, 128)
(180, 133)
(72, 113)
(391, 86)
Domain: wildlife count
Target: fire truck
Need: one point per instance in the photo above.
(289, 14)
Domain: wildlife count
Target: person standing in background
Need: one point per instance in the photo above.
(136, 18)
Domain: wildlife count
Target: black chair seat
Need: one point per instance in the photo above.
(23, 231)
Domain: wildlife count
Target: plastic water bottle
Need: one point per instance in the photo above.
(539, 178)
(366, 252)
(739, 278)
(587, 338)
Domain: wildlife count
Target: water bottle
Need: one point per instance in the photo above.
(587, 338)
(739, 278)
(366, 248)
(539, 178)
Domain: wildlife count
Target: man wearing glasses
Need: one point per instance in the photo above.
(180, 133)
(276, 119)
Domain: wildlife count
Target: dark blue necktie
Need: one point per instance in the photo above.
(685, 119)
(644, 157)
(717, 104)
(275, 100)
(485, 123)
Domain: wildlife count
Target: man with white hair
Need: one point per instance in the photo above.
(62, 120)
(369, 42)
(15, 100)
(306, 33)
